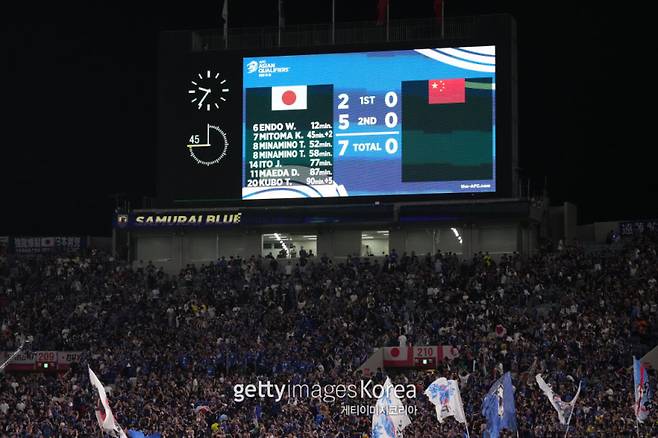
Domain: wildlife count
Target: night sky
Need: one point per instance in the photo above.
(80, 118)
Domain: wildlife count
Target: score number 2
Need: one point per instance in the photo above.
(390, 119)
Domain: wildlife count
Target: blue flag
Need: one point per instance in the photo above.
(498, 407)
(258, 412)
(139, 434)
(642, 391)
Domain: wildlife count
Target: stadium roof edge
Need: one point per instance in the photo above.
(355, 205)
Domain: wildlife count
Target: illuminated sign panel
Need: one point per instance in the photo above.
(369, 123)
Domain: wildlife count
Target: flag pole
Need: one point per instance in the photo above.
(226, 24)
(443, 24)
(333, 21)
(20, 348)
(388, 3)
(279, 38)
(637, 427)
(572, 409)
(637, 396)
(569, 420)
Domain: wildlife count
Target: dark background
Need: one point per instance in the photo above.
(179, 177)
(79, 107)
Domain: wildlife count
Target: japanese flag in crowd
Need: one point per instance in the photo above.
(642, 391)
(398, 356)
(444, 395)
(104, 413)
(564, 409)
(289, 98)
(390, 416)
(500, 330)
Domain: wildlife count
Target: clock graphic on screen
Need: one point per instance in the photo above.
(211, 149)
(208, 90)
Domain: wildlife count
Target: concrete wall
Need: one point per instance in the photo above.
(243, 245)
(596, 232)
(397, 240)
(570, 222)
(495, 239)
(446, 240)
(601, 230)
(176, 250)
(339, 243)
(156, 248)
(200, 249)
(420, 241)
(556, 223)
(163, 250)
(585, 233)
(101, 243)
(499, 239)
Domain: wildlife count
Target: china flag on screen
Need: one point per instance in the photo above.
(289, 98)
(447, 90)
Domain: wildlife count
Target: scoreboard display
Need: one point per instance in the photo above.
(369, 123)
(243, 127)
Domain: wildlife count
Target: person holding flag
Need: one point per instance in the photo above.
(447, 400)
(498, 407)
(564, 409)
(390, 416)
(642, 391)
(104, 414)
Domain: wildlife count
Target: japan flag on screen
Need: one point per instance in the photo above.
(289, 98)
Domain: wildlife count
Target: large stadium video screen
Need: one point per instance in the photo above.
(397, 122)
(388, 123)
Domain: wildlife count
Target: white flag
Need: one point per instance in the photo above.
(390, 416)
(282, 15)
(289, 98)
(225, 17)
(446, 398)
(105, 417)
(564, 409)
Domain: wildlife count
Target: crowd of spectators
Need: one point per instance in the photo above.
(170, 348)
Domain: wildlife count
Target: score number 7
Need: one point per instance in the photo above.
(343, 147)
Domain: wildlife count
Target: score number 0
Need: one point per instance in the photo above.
(390, 119)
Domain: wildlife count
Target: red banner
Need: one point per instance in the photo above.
(40, 360)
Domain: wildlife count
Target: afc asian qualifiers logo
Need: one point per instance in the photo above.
(264, 68)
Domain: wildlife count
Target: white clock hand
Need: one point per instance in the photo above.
(207, 90)
(202, 99)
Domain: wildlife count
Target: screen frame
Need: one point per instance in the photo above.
(505, 110)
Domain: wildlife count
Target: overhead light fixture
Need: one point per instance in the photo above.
(283, 244)
(457, 235)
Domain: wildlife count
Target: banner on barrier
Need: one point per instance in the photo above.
(37, 360)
